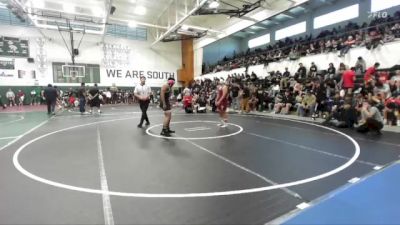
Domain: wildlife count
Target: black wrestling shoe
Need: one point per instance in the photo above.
(140, 126)
(165, 133)
(147, 124)
(170, 131)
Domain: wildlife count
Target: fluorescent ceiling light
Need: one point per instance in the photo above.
(69, 8)
(39, 4)
(291, 30)
(132, 24)
(378, 5)
(337, 16)
(98, 12)
(265, 39)
(140, 10)
(213, 5)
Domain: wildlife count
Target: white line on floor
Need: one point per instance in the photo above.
(287, 190)
(19, 137)
(19, 167)
(5, 138)
(197, 129)
(107, 210)
(312, 149)
(13, 121)
(312, 131)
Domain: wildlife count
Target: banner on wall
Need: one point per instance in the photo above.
(23, 74)
(7, 73)
(132, 74)
(7, 64)
(127, 77)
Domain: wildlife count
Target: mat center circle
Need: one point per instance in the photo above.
(194, 130)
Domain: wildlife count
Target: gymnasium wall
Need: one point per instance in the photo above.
(242, 45)
(386, 55)
(219, 49)
(157, 63)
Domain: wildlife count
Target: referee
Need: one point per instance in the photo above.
(142, 93)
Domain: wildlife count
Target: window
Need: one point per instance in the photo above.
(378, 5)
(262, 40)
(337, 16)
(291, 31)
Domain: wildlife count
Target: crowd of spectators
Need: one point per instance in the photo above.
(352, 95)
(340, 40)
(66, 98)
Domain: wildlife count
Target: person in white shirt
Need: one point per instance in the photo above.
(142, 93)
(10, 95)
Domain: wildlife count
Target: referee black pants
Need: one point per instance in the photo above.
(144, 105)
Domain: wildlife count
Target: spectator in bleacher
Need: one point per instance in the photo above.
(307, 104)
(313, 70)
(396, 77)
(245, 95)
(301, 72)
(382, 90)
(331, 71)
(235, 88)
(371, 118)
(348, 44)
(349, 77)
(371, 73)
(388, 35)
(391, 106)
(293, 55)
(253, 101)
(359, 40)
(335, 44)
(396, 30)
(321, 45)
(340, 71)
(10, 95)
(311, 49)
(330, 85)
(328, 45)
(360, 66)
(286, 103)
(319, 89)
(285, 79)
(374, 39)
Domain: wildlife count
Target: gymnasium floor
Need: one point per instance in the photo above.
(73, 169)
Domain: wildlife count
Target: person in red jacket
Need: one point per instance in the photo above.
(349, 77)
(370, 73)
(21, 97)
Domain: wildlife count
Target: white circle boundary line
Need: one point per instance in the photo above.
(194, 138)
(180, 195)
(13, 121)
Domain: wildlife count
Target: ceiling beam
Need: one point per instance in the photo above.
(108, 5)
(126, 22)
(176, 25)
